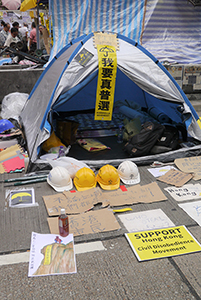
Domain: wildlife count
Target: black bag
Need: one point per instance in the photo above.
(141, 143)
(169, 138)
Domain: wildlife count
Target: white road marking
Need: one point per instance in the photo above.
(89, 247)
(15, 258)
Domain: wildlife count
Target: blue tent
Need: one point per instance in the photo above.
(66, 85)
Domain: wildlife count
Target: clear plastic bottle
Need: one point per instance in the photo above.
(120, 134)
(61, 151)
(63, 223)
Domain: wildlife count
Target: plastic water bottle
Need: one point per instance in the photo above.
(63, 223)
(61, 151)
(120, 135)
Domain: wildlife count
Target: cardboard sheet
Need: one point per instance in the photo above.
(144, 220)
(175, 177)
(74, 203)
(136, 194)
(88, 223)
(79, 202)
(190, 165)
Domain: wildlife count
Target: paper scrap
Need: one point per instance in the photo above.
(144, 220)
(91, 145)
(156, 172)
(51, 255)
(21, 197)
(193, 209)
(172, 241)
(175, 177)
(186, 192)
(101, 220)
(190, 165)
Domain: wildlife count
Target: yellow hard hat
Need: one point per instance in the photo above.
(84, 179)
(108, 178)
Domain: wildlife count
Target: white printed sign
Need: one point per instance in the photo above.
(193, 209)
(51, 254)
(156, 172)
(144, 220)
(186, 192)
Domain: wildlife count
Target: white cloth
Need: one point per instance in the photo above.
(23, 30)
(3, 36)
(10, 40)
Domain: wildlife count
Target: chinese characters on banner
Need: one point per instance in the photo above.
(107, 63)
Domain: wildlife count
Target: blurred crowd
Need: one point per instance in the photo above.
(24, 37)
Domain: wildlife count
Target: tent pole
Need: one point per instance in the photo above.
(37, 27)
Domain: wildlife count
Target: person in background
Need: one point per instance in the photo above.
(4, 33)
(17, 25)
(2, 25)
(33, 41)
(24, 32)
(44, 40)
(12, 37)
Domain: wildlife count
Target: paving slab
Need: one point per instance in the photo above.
(189, 265)
(114, 273)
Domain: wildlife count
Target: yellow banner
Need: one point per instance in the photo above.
(42, 19)
(47, 25)
(161, 243)
(48, 255)
(107, 63)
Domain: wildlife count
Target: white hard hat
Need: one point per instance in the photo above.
(60, 179)
(128, 172)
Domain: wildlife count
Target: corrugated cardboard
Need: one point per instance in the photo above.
(74, 203)
(190, 165)
(135, 194)
(88, 223)
(79, 202)
(175, 177)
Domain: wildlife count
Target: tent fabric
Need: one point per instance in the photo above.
(65, 85)
(74, 18)
(172, 31)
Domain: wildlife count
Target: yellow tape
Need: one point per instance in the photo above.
(121, 210)
(48, 255)
(199, 122)
(107, 63)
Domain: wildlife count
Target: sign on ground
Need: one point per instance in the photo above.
(160, 243)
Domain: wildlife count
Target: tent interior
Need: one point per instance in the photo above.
(130, 103)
